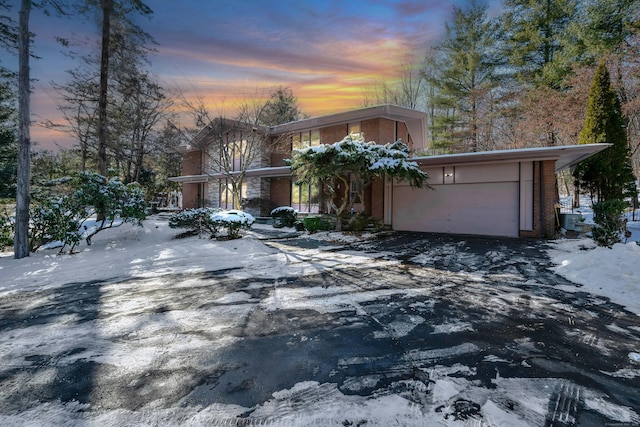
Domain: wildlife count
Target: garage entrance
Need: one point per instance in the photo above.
(481, 208)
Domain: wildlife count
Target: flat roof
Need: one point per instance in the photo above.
(416, 121)
(565, 156)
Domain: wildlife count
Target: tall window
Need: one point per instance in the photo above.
(305, 198)
(227, 200)
(234, 154)
(354, 192)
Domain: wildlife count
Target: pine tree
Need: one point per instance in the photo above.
(534, 37)
(607, 175)
(465, 78)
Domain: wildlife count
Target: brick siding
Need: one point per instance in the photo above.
(545, 198)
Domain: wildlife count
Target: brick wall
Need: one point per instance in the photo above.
(190, 196)
(192, 163)
(387, 131)
(332, 134)
(403, 134)
(280, 192)
(375, 200)
(545, 198)
(550, 196)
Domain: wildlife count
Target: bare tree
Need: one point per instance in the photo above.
(232, 146)
(407, 91)
(78, 105)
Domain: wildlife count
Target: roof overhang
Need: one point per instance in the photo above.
(274, 172)
(189, 179)
(565, 156)
(416, 121)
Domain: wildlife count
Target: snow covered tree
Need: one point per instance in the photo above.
(8, 143)
(335, 164)
(68, 217)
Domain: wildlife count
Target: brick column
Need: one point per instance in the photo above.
(549, 197)
(545, 197)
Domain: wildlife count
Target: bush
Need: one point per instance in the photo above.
(6, 229)
(55, 219)
(233, 221)
(359, 222)
(610, 224)
(196, 221)
(314, 224)
(284, 216)
(63, 218)
(299, 225)
(211, 221)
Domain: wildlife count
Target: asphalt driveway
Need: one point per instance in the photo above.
(459, 328)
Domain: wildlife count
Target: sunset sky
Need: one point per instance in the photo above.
(328, 51)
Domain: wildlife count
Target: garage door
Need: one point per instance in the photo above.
(489, 209)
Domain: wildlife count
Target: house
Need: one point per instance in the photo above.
(498, 193)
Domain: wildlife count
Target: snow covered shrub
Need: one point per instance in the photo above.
(55, 218)
(6, 229)
(111, 197)
(284, 216)
(610, 224)
(233, 221)
(196, 221)
(212, 221)
(96, 204)
(299, 225)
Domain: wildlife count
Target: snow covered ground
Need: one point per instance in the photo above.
(144, 335)
(613, 273)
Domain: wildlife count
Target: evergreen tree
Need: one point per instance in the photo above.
(282, 107)
(607, 175)
(8, 142)
(465, 77)
(535, 39)
(332, 164)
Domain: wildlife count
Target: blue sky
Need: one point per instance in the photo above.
(328, 51)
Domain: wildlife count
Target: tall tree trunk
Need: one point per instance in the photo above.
(104, 80)
(102, 99)
(21, 240)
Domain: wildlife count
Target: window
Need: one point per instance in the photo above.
(227, 199)
(354, 129)
(226, 195)
(234, 154)
(305, 198)
(354, 194)
(306, 139)
(315, 137)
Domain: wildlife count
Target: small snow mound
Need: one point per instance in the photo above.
(635, 357)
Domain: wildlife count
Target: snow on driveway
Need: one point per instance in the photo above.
(144, 329)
